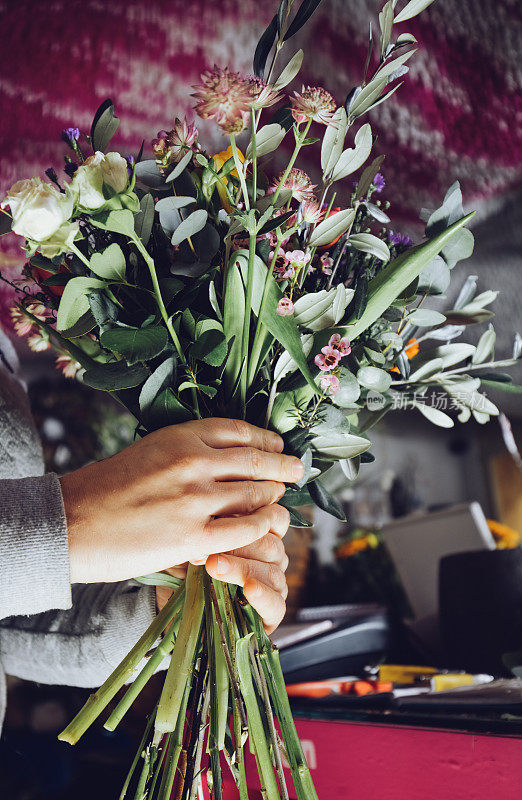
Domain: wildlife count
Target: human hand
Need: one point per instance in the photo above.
(259, 568)
(180, 494)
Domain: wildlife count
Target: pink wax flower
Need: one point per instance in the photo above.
(330, 383)
(285, 307)
(328, 358)
(297, 258)
(340, 344)
(326, 264)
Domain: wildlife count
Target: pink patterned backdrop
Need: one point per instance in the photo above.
(458, 115)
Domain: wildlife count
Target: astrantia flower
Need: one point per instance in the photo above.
(341, 344)
(298, 183)
(263, 94)
(37, 342)
(328, 358)
(226, 97)
(311, 212)
(68, 366)
(330, 383)
(285, 307)
(22, 323)
(326, 264)
(313, 103)
(170, 146)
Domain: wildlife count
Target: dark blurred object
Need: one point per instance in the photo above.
(76, 424)
(481, 608)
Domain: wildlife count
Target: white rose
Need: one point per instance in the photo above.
(61, 241)
(97, 170)
(115, 175)
(88, 183)
(37, 208)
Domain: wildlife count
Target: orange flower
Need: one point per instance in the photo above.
(357, 545)
(411, 350)
(219, 160)
(505, 537)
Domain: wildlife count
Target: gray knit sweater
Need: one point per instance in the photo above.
(49, 633)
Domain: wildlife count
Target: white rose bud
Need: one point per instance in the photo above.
(97, 170)
(115, 175)
(61, 241)
(88, 183)
(37, 208)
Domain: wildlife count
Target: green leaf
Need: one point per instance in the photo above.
(135, 344)
(160, 579)
(144, 219)
(156, 382)
(349, 392)
(84, 325)
(290, 71)
(411, 9)
(180, 167)
(268, 139)
(374, 378)
(233, 315)
(340, 445)
(368, 243)
(109, 264)
(323, 309)
(459, 248)
(391, 282)
(353, 158)
(190, 226)
(502, 386)
(114, 376)
(305, 11)
(367, 96)
(297, 520)
(333, 141)
(264, 46)
(435, 278)
(435, 415)
(367, 177)
(425, 317)
(332, 227)
(75, 302)
(148, 173)
(5, 222)
(166, 409)
(324, 500)
(121, 221)
(210, 347)
(104, 126)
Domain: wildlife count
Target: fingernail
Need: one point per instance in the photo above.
(223, 565)
(298, 469)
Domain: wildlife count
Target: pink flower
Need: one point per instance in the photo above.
(226, 97)
(37, 342)
(342, 345)
(171, 146)
(298, 258)
(262, 94)
(299, 184)
(330, 383)
(311, 212)
(327, 264)
(329, 359)
(313, 104)
(285, 307)
(68, 366)
(22, 323)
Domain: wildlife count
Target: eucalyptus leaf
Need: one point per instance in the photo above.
(290, 71)
(190, 226)
(324, 500)
(264, 46)
(268, 139)
(374, 378)
(340, 445)
(333, 141)
(305, 11)
(353, 158)
(156, 382)
(411, 9)
(485, 346)
(435, 278)
(323, 309)
(350, 467)
(144, 219)
(104, 126)
(434, 415)
(349, 391)
(148, 173)
(180, 167)
(426, 317)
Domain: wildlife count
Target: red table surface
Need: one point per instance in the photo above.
(357, 761)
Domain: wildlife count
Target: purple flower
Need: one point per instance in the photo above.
(400, 240)
(70, 135)
(379, 183)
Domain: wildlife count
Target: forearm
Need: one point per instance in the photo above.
(34, 551)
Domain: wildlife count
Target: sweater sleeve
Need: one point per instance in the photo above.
(82, 645)
(34, 550)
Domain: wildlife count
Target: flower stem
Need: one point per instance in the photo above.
(99, 699)
(239, 170)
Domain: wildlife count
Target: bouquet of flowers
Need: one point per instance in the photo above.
(190, 285)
